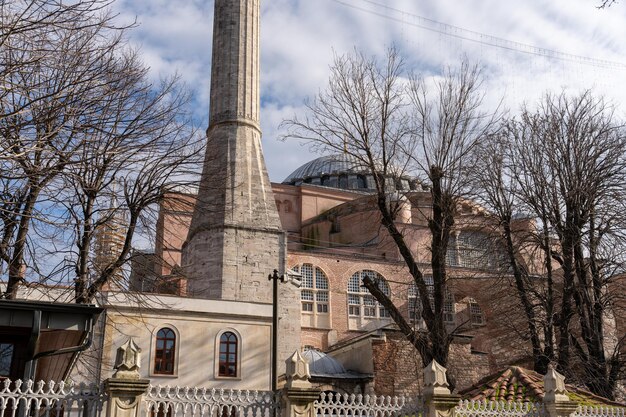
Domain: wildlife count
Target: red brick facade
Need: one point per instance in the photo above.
(338, 232)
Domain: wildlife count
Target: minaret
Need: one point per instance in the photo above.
(235, 239)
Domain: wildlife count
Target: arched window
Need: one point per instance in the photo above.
(228, 355)
(360, 302)
(314, 292)
(415, 304)
(314, 296)
(165, 352)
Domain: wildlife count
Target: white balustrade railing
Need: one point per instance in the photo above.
(598, 411)
(334, 404)
(486, 408)
(27, 398)
(168, 401)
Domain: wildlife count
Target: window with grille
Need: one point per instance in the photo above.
(448, 308)
(477, 317)
(415, 304)
(474, 249)
(228, 355)
(314, 290)
(360, 302)
(165, 352)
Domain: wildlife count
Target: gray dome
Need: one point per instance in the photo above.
(321, 364)
(326, 165)
(341, 171)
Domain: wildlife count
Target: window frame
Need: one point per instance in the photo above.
(238, 355)
(366, 304)
(449, 309)
(314, 304)
(476, 313)
(153, 370)
(7, 359)
(473, 249)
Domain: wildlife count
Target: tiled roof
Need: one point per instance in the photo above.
(519, 384)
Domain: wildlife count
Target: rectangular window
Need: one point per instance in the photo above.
(307, 306)
(476, 314)
(322, 308)
(321, 296)
(368, 300)
(354, 310)
(414, 312)
(369, 311)
(6, 359)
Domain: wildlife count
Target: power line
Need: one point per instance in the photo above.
(479, 37)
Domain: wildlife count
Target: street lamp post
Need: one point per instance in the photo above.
(275, 278)
(296, 280)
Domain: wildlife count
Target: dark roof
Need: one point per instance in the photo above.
(71, 308)
(326, 165)
(343, 171)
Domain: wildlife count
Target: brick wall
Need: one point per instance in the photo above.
(399, 369)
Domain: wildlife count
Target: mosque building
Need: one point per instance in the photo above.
(208, 318)
(334, 239)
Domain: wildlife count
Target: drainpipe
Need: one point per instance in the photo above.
(31, 365)
(29, 369)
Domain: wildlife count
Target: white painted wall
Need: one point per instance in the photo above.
(198, 324)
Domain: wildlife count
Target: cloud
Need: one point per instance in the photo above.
(299, 37)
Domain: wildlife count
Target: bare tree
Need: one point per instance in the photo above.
(396, 125)
(606, 3)
(143, 148)
(79, 114)
(564, 165)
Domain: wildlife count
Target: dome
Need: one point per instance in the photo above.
(341, 171)
(321, 364)
(326, 165)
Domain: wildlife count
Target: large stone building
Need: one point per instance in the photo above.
(200, 307)
(334, 239)
(216, 247)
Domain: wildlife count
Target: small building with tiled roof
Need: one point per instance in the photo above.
(523, 385)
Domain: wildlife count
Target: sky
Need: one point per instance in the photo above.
(524, 47)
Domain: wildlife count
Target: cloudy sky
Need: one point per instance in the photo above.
(525, 47)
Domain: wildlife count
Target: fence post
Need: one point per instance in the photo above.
(555, 400)
(298, 393)
(125, 389)
(438, 401)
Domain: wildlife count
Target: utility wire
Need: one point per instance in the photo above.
(481, 38)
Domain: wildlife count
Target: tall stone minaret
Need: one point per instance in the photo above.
(235, 239)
